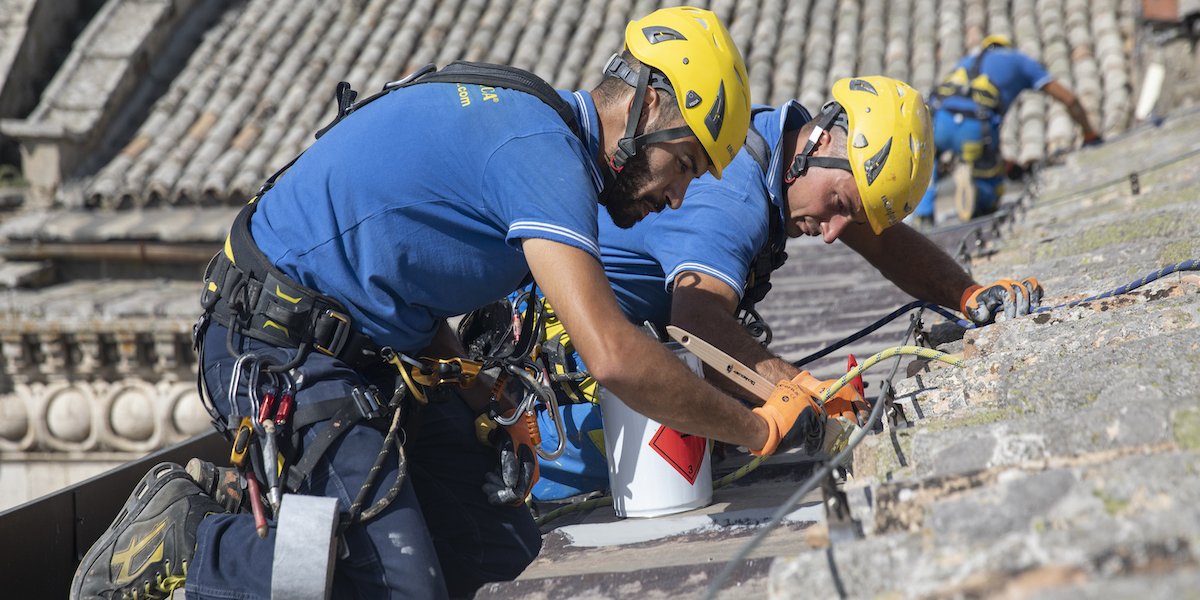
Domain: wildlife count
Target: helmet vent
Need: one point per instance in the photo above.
(874, 165)
(900, 91)
(659, 33)
(716, 116)
(861, 85)
(860, 140)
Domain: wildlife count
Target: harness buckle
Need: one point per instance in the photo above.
(367, 403)
(341, 331)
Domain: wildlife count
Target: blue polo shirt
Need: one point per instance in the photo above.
(413, 208)
(1009, 70)
(718, 230)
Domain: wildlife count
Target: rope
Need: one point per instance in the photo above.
(570, 508)
(1190, 265)
(880, 323)
(1187, 265)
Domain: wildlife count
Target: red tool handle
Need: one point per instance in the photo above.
(260, 518)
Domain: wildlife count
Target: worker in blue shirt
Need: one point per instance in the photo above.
(333, 291)
(967, 111)
(851, 174)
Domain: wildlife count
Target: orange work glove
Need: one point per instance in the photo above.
(512, 481)
(847, 402)
(794, 417)
(979, 303)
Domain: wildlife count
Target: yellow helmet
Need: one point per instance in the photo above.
(996, 39)
(889, 139)
(889, 144)
(705, 72)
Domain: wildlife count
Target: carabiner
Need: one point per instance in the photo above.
(237, 377)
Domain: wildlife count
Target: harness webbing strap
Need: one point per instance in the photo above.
(756, 146)
(503, 76)
(771, 256)
(344, 417)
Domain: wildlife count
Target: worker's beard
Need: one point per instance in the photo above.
(624, 204)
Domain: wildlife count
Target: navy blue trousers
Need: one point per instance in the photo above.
(439, 538)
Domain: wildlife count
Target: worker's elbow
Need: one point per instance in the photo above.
(606, 368)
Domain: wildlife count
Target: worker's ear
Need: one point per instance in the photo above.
(824, 144)
(651, 109)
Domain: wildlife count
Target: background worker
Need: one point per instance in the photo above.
(968, 107)
(852, 173)
(413, 208)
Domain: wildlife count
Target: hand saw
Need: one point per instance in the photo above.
(738, 373)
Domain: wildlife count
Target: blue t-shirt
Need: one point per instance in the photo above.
(413, 208)
(1009, 70)
(718, 230)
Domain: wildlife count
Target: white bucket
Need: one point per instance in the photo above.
(654, 470)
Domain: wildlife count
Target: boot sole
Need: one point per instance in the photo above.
(139, 498)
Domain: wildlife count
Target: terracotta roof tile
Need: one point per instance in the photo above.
(260, 83)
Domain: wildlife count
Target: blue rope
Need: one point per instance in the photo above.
(1190, 265)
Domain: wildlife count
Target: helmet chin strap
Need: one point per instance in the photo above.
(832, 114)
(628, 146)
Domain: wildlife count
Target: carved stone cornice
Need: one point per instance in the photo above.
(97, 386)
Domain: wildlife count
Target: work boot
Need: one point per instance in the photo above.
(146, 551)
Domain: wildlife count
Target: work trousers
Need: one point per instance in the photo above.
(963, 135)
(439, 538)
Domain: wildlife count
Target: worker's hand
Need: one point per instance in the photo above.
(847, 402)
(1092, 139)
(512, 481)
(979, 303)
(794, 418)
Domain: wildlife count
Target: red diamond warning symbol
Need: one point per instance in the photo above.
(684, 452)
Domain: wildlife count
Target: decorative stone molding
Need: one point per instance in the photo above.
(114, 386)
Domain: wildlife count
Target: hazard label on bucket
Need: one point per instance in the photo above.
(683, 451)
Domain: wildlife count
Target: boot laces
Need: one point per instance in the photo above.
(161, 587)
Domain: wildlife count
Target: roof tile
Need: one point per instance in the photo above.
(260, 83)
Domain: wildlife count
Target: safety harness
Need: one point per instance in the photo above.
(247, 294)
(977, 87)
(972, 85)
(771, 256)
